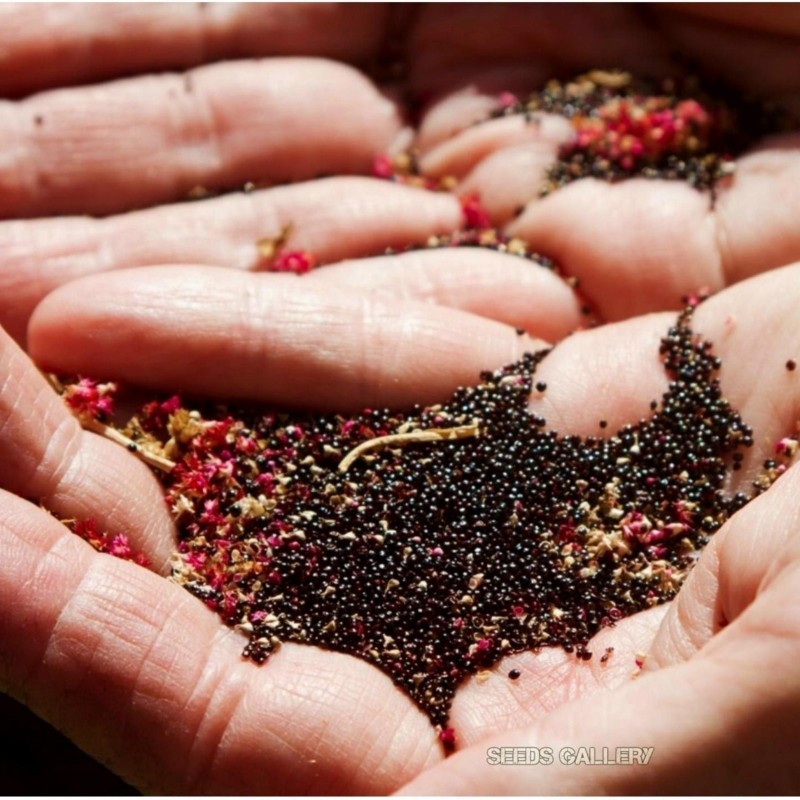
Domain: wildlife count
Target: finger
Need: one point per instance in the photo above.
(145, 678)
(658, 241)
(460, 154)
(505, 288)
(612, 370)
(54, 45)
(47, 458)
(140, 141)
(507, 179)
(753, 326)
(755, 237)
(459, 110)
(334, 219)
(663, 240)
(731, 573)
(741, 560)
(260, 337)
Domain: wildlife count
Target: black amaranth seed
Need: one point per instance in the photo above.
(434, 559)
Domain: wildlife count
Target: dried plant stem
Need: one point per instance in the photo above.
(413, 437)
(153, 460)
(53, 381)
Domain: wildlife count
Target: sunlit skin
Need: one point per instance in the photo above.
(144, 677)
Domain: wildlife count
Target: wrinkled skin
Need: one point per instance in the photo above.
(138, 672)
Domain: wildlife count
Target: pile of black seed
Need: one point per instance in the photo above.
(434, 559)
(626, 127)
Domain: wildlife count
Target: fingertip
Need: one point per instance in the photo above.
(600, 379)
(48, 334)
(98, 315)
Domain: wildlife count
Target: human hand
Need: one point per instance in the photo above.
(141, 658)
(658, 240)
(635, 246)
(673, 291)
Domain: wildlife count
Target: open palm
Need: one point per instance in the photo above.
(140, 673)
(137, 671)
